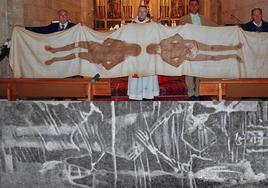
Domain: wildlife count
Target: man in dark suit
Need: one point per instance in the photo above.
(257, 24)
(63, 17)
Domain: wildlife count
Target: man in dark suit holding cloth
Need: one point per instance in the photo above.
(63, 17)
(257, 24)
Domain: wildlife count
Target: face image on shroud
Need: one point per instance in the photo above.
(175, 50)
(109, 53)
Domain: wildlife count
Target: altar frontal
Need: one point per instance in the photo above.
(143, 49)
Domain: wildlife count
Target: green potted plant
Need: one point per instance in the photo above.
(4, 50)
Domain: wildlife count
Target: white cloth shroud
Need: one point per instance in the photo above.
(27, 55)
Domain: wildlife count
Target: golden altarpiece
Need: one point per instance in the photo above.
(109, 13)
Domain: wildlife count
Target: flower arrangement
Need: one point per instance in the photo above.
(4, 49)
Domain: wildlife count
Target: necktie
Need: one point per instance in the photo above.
(61, 27)
(258, 29)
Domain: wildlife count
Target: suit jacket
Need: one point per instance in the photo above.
(53, 27)
(204, 21)
(250, 26)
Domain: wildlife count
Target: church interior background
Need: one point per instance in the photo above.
(101, 14)
(192, 144)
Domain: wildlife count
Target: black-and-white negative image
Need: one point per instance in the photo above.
(134, 144)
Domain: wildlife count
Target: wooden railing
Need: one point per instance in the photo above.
(234, 88)
(79, 88)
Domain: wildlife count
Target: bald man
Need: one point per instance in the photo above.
(257, 24)
(145, 87)
(63, 18)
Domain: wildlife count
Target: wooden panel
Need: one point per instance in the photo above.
(50, 90)
(247, 90)
(79, 88)
(34, 11)
(102, 88)
(235, 88)
(47, 87)
(210, 89)
(3, 90)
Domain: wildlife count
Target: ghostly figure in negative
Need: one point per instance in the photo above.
(175, 50)
(109, 53)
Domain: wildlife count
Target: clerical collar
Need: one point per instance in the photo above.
(144, 21)
(65, 25)
(258, 25)
(140, 19)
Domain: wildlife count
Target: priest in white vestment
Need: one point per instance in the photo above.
(145, 87)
